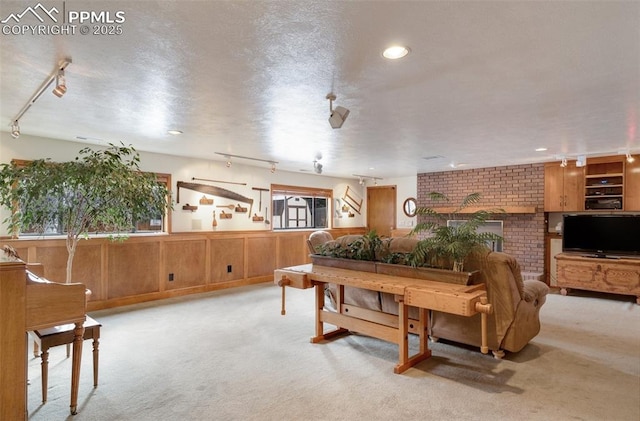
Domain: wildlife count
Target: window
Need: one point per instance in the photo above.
(300, 207)
(56, 226)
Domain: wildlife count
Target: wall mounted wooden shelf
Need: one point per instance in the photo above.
(507, 209)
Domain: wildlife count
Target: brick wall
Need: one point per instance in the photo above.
(514, 185)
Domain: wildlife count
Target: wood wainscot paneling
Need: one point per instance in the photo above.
(86, 265)
(137, 269)
(292, 249)
(134, 268)
(185, 263)
(227, 259)
(261, 256)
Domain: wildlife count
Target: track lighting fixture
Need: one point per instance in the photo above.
(362, 179)
(15, 130)
(60, 89)
(229, 156)
(630, 158)
(61, 84)
(317, 167)
(338, 115)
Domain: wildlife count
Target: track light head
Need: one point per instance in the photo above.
(317, 167)
(273, 167)
(563, 163)
(61, 84)
(15, 130)
(338, 115)
(630, 158)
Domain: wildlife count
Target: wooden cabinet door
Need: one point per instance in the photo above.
(573, 188)
(553, 187)
(632, 185)
(563, 187)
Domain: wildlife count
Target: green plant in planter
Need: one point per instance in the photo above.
(448, 246)
(99, 190)
(366, 247)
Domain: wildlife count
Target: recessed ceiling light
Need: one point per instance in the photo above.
(174, 132)
(541, 149)
(395, 52)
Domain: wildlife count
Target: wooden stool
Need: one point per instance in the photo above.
(63, 335)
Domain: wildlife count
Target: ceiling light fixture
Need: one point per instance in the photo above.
(338, 116)
(61, 84)
(541, 149)
(363, 179)
(174, 132)
(630, 158)
(229, 156)
(563, 164)
(395, 52)
(43, 87)
(317, 167)
(15, 130)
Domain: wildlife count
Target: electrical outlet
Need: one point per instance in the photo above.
(170, 277)
(229, 268)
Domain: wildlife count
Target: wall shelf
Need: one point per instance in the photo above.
(507, 209)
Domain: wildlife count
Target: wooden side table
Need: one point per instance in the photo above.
(63, 335)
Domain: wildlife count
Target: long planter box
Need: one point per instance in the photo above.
(431, 274)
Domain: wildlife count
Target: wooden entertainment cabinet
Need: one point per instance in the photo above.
(613, 275)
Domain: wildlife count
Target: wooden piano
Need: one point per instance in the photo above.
(27, 303)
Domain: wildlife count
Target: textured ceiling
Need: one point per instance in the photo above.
(486, 83)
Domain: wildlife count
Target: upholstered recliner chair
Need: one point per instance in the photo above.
(516, 307)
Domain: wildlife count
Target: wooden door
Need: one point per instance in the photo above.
(381, 209)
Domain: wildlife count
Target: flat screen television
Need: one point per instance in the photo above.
(601, 235)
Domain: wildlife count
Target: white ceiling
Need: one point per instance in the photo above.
(486, 83)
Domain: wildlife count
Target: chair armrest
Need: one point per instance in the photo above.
(535, 291)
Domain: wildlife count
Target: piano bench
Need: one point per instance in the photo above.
(63, 335)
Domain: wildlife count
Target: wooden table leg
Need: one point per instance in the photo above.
(403, 337)
(96, 344)
(405, 362)
(78, 338)
(44, 372)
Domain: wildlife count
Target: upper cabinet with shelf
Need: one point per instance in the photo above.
(608, 183)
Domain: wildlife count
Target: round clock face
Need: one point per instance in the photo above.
(409, 207)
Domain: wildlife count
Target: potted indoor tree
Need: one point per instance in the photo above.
(99, 191)
(447, 246)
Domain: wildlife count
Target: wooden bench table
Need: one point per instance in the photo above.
(425, 295)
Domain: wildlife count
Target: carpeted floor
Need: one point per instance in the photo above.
(230, 355)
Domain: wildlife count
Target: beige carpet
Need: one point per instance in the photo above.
(230, 355)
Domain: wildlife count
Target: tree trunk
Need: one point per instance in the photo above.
(71, 250)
